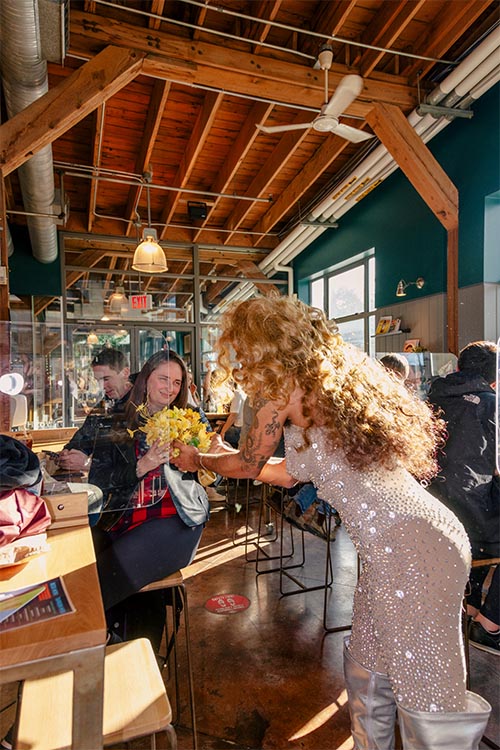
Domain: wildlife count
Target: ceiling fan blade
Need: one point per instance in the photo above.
(345, 93)
(351, 134)
(283, 128)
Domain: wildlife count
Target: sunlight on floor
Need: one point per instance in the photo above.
(321, 718)
(216, 554)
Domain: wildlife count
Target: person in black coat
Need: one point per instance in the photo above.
(468, 480)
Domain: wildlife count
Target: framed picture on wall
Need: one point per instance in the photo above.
(383, 325)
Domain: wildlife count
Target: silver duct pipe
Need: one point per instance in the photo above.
(24, 79)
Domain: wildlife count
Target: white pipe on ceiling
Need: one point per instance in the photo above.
(480, 53)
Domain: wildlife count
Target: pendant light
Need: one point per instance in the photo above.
(117, 301)
(149, 256)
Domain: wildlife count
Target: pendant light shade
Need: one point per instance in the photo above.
(149, 256)
(118, 301)
(92, 338)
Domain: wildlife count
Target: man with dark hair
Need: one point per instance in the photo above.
(112, 372)
(468, 482)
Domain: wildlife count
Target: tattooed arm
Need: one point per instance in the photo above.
(256, 447)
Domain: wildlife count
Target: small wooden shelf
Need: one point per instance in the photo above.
(391, 333)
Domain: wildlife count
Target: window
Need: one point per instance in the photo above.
(347, 295)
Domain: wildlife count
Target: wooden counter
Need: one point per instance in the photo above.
(50, 440)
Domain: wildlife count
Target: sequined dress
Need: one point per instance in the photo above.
(415, 558)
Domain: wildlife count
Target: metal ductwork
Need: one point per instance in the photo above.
(23, 65)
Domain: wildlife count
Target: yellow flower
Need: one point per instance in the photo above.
(175, 424)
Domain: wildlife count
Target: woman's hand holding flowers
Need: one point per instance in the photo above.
(154, 457)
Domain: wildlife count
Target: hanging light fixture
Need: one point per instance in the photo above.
(117, 301)
(92, 338)
(149, 256)
(403, 285)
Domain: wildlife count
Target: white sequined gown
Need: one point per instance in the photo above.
(415, 558)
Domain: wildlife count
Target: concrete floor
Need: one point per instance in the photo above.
(267, 676)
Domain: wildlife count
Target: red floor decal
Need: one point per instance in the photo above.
(227, 604)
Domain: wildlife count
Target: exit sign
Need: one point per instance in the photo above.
(140, 301)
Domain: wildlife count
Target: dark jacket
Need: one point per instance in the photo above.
(97, 423)
(466, 482)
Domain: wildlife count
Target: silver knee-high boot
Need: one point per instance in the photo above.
(371, 705)
(445, 731)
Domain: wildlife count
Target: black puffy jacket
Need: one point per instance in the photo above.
(467, 481)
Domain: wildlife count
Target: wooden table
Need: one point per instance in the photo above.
(71, 642)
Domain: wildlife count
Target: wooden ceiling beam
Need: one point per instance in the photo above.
(157, 102)
(201, 14)
(251, 271)
(266, 11)
(157, 7)
(50, 116)
(231, 70)
(320, 161)
(329, 21)
(447, 28)
(199, 134)
(391, 20)
(288, 144)
(416, 162)
(244, 141)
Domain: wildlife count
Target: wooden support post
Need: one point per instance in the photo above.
(434, 187)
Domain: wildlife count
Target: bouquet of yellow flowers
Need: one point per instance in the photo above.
(173, 423)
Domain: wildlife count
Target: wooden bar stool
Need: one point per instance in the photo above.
(175, 582)
(135, 702)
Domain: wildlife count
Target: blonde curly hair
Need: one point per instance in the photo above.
(282, 344)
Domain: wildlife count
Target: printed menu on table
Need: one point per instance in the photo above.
(34, 604)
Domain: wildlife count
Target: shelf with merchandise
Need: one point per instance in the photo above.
(391, 333)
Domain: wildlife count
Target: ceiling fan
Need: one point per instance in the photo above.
(327, 121)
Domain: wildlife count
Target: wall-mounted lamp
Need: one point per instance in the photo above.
(149, 256)
(403, 285)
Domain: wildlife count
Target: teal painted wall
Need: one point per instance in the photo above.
(409, 241)
(27, 275)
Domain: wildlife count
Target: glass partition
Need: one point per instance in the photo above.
(426, 367)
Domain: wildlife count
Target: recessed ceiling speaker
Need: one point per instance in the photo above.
(197, 210)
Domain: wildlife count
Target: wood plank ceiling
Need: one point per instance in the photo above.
(178, 87)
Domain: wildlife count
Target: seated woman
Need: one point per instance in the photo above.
(158, 512)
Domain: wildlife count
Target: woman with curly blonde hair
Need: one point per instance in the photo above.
(367, 444)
